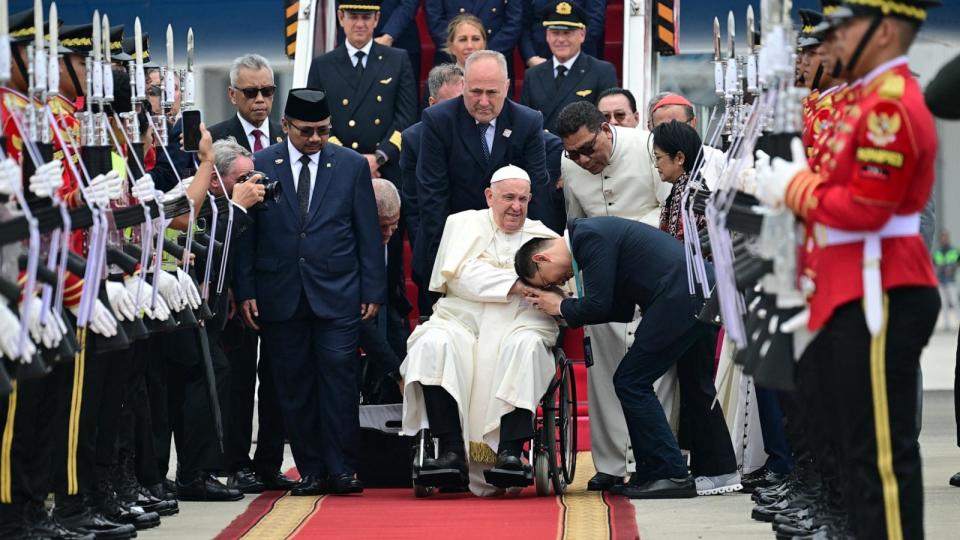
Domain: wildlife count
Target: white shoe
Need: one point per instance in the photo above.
(717, 485)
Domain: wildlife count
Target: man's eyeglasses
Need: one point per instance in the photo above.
(251, 93)
(308, 132)
(619, 116)
(544, 284)
(154, 90)
(585, 150)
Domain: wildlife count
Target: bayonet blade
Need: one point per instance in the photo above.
(751, 30)
(190, 49)
(54, 29)
(716, 39)
(96, 37)
(37, 25)
(105, 24)
(732, 34)
(138, 42)
(169, 46)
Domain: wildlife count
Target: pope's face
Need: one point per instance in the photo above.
(508, 200)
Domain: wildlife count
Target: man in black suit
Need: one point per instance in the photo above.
(464, 141)
(625, 264)
(308, 271)
(251, 91)
(444, 82)
(370, 90)
(571, 75)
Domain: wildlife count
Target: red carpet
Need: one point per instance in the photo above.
(396, 514)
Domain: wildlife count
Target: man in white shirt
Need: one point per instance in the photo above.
(251, 91)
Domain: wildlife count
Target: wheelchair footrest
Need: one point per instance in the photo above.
(507, 478)
(441, 478)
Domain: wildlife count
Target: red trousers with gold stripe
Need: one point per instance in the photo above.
(873, 394)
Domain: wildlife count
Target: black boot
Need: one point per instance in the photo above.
(45, 525)
(14, 523)
(131, 493)
(106, 501)
(71, 512)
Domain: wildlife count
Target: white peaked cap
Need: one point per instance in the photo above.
(509, 172)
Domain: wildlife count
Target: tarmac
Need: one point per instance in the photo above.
(724, 517)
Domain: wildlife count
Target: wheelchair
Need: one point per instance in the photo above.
(551, 453)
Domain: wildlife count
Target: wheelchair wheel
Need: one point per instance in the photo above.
(542, 474)
(567, 416)
(552, 436)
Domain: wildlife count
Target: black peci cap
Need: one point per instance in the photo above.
(307, 104)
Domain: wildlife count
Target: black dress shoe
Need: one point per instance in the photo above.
(761, 478)
(446, 460)
(665, 488)
(603, 482)
(276, 481)
(955, 480)
(81, 520)
(206, 487)
(311, 486)
(508, 462)
(345, 484)
(246, 481)
(160, 491)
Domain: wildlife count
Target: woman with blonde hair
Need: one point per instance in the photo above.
(465, 35)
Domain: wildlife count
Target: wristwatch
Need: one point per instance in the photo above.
(381, 157)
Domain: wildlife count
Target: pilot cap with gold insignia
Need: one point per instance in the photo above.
(307, 104)
(564, 16)
(360, 6)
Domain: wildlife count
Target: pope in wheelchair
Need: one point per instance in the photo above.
(477, 369)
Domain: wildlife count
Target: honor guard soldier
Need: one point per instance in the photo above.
(370, 90)
(874, 299)
(533, 40)
(571, 75)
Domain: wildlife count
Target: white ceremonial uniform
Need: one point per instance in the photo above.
(488, 349)
(629, 187)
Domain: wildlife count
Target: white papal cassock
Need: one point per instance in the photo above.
(488, 349)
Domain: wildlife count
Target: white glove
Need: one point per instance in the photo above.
(772, 180)
(9, 177)
(190, 292)
(124, 308)
(96, 192)
(102, 321)
(113, 185)
(47, 179)
(178, 190)
(170, 291)
(144, 189)
(133, 284)
(747, 181)
(50, 334)
(10, 334)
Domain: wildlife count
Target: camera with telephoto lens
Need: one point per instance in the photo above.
(271, 188)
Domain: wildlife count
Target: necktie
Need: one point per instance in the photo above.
(359, 67)
(561, 73)
(483, 141)
(303, 186)
(257, 145)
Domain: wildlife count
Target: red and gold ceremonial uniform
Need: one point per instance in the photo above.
(876, 163)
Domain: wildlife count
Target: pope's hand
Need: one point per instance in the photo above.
(545, 301)
(773, 179)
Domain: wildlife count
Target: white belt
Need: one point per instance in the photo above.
(897, 226)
